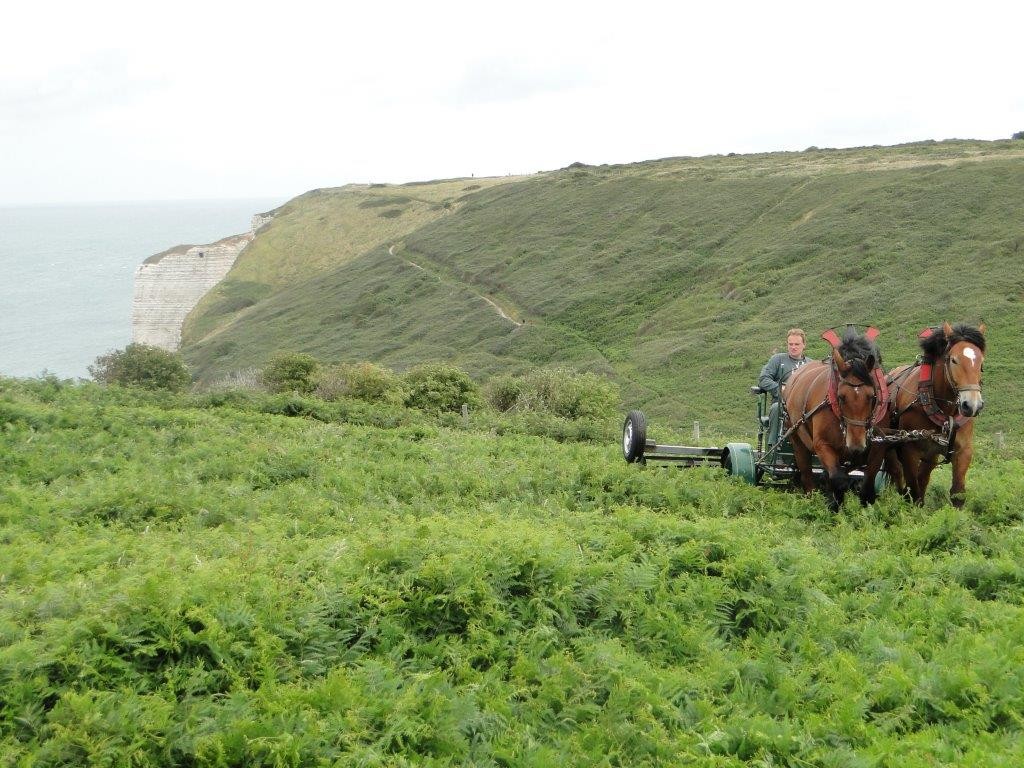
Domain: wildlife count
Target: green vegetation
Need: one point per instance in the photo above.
(677, 277)
(291, 372)
(144, 366)
(438, 388)
(362, 381)
(561, 392)
(239, 578)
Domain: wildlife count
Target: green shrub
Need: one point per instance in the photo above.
(439, 387)
(291, 372)
(247, 379)
(558, 391)
(363, 381)
(141, 365)
(1019, 135)
(503, 393)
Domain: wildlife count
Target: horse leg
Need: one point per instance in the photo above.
(924, 474)
(961, 462)
(911, 456)
(894, 468)
(802, 457)
(867, 489)
(837, 479)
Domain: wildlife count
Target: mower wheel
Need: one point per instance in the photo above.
(634, 437)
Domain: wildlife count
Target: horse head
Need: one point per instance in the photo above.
(962, 360)
(854, 359)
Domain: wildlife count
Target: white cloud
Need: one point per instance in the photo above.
(124, 100)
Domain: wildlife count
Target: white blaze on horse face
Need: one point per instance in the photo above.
(970, 403)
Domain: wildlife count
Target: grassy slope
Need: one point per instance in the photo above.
(321, 230)
(680, 276)
(213, 586)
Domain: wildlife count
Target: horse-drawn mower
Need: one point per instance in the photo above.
(848, 418)
(759, 464)
(773, 460)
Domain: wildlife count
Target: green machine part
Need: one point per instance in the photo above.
(738, 461)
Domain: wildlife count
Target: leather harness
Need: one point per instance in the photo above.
(928, 373)
(881, 397)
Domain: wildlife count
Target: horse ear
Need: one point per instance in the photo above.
(872, 333)
(841, 364)
(927, 333)
(981, 329)
(947, 329)
(832, 338)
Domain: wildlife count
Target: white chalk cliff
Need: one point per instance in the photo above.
(169, 284)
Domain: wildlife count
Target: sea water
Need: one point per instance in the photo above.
(66, 273)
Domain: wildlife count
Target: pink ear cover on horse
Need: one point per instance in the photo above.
(872, 333)
(927, 333)
(831, 337)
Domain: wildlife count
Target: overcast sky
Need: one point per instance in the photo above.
(135, 101)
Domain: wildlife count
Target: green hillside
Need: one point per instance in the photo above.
(679, 276)
(204, 581)
(321, 230)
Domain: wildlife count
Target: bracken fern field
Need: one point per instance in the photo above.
(254, 580)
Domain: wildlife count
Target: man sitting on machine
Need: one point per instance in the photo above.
(774, 374)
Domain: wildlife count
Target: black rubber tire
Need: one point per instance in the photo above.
(634, 437)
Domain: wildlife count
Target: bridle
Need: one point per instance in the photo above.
(926, 391)
(948, 371)
(832, 401)
(837, 409)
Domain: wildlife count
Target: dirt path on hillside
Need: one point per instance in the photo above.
(504, 315)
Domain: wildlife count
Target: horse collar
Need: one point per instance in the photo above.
(881, 395)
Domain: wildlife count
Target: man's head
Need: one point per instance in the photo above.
(796, 340)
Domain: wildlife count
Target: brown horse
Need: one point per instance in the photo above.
(831, 408)
(939, 396)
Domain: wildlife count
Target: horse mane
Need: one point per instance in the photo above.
(936, 344)
(855, 349)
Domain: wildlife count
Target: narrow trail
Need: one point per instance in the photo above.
(504, 315)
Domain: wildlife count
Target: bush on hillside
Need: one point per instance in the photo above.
(248, 379)
(559, 391)
(141, 365)
(291, 372)
(1019, 135)
(362, 381)
(439, 387)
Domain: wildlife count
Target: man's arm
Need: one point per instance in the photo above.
(770, 374)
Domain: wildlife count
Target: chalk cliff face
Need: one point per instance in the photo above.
(169, 284)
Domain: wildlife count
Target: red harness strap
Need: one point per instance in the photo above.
(882, 393)
(833, 393)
